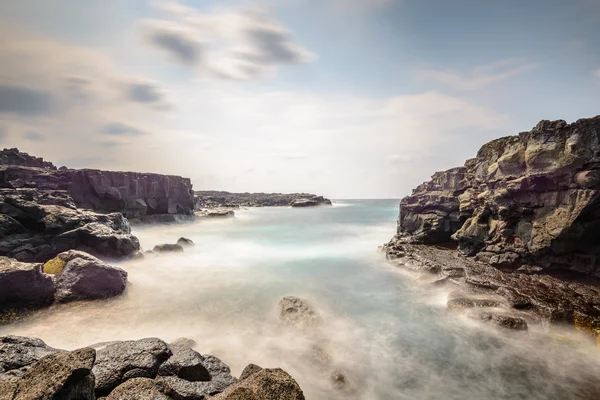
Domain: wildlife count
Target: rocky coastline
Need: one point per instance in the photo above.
(219, 199)
(145, 369)
(514, 231)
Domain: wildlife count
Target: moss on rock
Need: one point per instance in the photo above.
(54, 266)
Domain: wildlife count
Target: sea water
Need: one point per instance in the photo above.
(387, 334)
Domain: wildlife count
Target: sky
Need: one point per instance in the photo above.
(343, 98)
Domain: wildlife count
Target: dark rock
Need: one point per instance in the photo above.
(84, 277)
(217, 199)
(56, 376)
(186, 364)
(23, 285)
(250, 370)
(215, 213)
(501, 320)
(10, 226)
(49, 229)
(115, 360)
(185, 242)
(180, 389)
(17, 352)
(298, 312)
(268, 384)
(301, 203)
(16, 157)
(469, 302)
(168, 248)
(139, 389)
(218, 370)
(181, 344)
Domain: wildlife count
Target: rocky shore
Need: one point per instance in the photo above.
(146, 369)
(514, 231)
(218, 199)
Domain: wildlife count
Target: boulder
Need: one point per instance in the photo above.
(139, 389)
(81, 276)
(23, 285)
(185, 363)
(18, 353)
(250, 369)
(120, 361)
(185, 242)
(298, 312)
(10, 226)
(267, 384)
(56, 376)
(168, 248)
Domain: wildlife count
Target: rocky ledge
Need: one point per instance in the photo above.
(135, 195)
(218, 199)
(516, 227)
(146, 369)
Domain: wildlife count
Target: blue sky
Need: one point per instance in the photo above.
(346, 98)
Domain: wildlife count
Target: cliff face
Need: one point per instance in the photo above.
(214, 198)
(135, 195)
(530, 199)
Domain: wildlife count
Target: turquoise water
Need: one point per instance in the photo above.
(385, 331)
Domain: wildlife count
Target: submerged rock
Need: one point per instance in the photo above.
(185, 242)
(267, 384)
(118, 362)
(501, 320)
(305, 203)
(57, 376)
(84, 277)
(297, 311)
(168, 248)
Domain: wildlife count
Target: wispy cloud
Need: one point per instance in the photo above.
(597, 73)
(481, 76)
(120, 129)
(34, 137)
(234, 43)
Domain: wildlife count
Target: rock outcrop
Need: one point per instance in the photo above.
(135, 195)
(217, 199)
(526, 211)
(23, 286)
(38, 232)
(146, 369)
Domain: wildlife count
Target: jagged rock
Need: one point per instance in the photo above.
(470, 302)
(168, 248)
(23, 285)
(10, 226)
(250, 369)
(16, 157)
(84, 277)
(182, 344)
(56, 376)
(114, 361)
(139, 389)
(186, 364)
(219, 371)
(501, 320)
(18, 353)
(218, 199)
(185, 242)
(268, 384)
(51, 229)
(298, 312)
(526, 209)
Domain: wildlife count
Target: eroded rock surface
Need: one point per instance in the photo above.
(526, 214)
(217, 199)
(267, 384)
(23, 285)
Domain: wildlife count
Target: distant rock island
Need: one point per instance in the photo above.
(216, 199)
(515, 230)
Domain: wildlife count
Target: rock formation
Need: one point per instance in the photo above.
(146, 369)
(216, 199)
(526, 210)
(135, 195)
(72, 275)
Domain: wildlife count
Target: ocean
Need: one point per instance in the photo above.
(382, 328)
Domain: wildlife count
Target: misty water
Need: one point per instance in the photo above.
(389, 334)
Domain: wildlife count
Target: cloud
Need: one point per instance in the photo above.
(597, 73)
(34, 137)
(3, 134)
(145, 92)
(177, 43)
(481, 76)
(236, 43)
(120, 129)
(24, 101)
